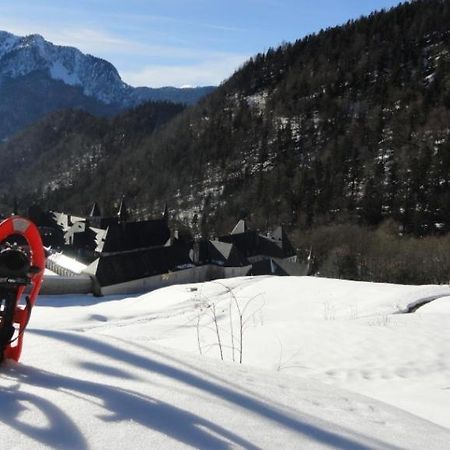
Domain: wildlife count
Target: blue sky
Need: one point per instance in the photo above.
(177, 42)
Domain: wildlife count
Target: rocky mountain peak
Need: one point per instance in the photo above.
(38, 77)
(21, 56)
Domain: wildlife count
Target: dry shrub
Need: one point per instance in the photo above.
(381, 254)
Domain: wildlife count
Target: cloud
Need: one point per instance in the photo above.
(223, 28)
(139, 62)
(209, 72)
(98, 42)
(87, 40)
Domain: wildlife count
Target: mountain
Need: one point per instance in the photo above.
(70, 145)
(350, 125)
(37, 77)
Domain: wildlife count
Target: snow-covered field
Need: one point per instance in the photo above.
(325, 364)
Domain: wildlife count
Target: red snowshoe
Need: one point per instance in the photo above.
(22, 263)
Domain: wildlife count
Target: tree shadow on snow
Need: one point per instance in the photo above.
(121, 405)
(161, 416)
(108, 371)
(60, 427)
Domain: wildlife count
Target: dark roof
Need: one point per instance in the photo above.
(95, 211)
(269, 246)
(123, 214)
(225, 254)
(246, 243)
(52, 237)
(41, 218)
(241, 227)
(263, 267)
(102, 222)
(250, 243)
(120, 268)
(217, 252)
(277, 266)
(280, 235)
(134, 235)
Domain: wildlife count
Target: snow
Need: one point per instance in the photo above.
(439, 306)
(258, 100)
(50, 273)
(95, 76)
(68, 263)
(7, 42)
(60, 72)
(326, 364)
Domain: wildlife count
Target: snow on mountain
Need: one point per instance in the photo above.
(21, 56)
(38, 78)
(321, 360)
(59, 72)
(7, 42)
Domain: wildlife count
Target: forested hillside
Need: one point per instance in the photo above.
(62, 156)
(349, 126)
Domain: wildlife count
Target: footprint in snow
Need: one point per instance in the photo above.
(99, 318)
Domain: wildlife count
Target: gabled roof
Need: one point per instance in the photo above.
(95, 210)
(240, 227)
(123, 267)
(102, 222)
(280, 267)
(278, 234)
(218, 253)
(250, 243)
(123, 214)
(223, 248)
(134, 235)
(225, 254)
(246, 243)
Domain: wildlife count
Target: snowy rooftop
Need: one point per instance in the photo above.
(67, 263)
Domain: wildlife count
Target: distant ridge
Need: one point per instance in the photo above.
(37, 77)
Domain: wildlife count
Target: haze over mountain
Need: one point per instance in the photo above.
(37, 77)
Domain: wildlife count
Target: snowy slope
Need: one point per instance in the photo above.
(104, 373)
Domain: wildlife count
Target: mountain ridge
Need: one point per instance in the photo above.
(83, 81)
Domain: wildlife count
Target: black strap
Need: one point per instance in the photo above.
(27, 307)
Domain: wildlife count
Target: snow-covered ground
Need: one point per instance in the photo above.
(325, 364)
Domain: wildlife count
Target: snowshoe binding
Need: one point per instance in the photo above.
(22, 263)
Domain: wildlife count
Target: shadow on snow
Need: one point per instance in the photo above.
(60, 429)
(181, 425)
